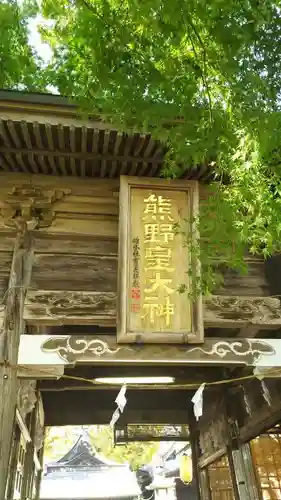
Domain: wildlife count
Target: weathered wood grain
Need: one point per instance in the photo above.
(254, 283)
(78, 185)
(84, 220)
(257, 406)
(212, 426)
(7, 241)
(9, 345)
(1, 317)
(89, 244)
(79, 272)
(74, 244)
(241, 311)
(98, 307)
(5, 265)
(50, 307)
(68, 205)
(98, 225)
(101, 203)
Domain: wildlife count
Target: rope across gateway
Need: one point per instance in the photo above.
(270, 373)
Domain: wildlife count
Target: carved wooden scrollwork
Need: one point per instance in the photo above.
(70, 348)
(252, 309)
(30, 204)
(72, 303)
(26, 398)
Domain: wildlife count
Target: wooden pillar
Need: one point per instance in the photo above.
(201, 479)
(13, 326)
(13, 463)
(39, 475)
(29, 460)
(245, 486)
(205, 491)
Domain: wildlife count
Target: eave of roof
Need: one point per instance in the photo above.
(47, 134)
(35, 98)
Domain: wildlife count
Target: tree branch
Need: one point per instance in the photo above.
(204, 71)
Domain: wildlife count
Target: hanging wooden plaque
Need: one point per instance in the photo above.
(155, 262)
(127, 433)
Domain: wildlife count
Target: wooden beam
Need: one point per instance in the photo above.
(250, 331)
(46, 351)
(241, 311)
(9, 345)
(256, 406)
(80, 408)
(182, 374)
(73, 244)
(82, 272)
(89, 416)
(78, 185)
(79, 155)
(54, 307)
(51, 307)
(48, 115)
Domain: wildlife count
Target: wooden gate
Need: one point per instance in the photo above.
(266, 452)
(220, 481)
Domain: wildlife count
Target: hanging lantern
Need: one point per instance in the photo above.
(186, 469)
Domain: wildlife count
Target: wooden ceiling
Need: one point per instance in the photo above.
(45, 134)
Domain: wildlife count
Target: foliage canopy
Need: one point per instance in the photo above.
(20, 67)
(203, 77)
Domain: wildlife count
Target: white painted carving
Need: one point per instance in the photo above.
(254, 348)
(68, 348)
(26, 398)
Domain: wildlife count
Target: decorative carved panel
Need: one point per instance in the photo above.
(49, 306)
(27, 397)
(40, 350)
(29, 203)
(254, 310)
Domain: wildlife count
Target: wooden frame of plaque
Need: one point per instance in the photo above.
(154, 261)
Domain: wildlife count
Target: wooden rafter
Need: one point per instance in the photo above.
(80, 155)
